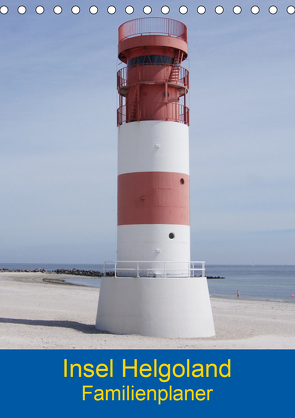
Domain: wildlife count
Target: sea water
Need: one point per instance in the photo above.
(275, 283)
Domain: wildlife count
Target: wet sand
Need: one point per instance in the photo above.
(38, 311)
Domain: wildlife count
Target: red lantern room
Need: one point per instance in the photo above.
(154, 85)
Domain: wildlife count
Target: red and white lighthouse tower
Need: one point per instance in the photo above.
(153, 292)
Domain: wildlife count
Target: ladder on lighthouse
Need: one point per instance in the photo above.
(133, 105)
(174, 75)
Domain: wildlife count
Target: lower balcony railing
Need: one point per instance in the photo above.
(164, 269)
(173, 111)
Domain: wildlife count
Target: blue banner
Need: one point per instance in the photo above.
(58, 383)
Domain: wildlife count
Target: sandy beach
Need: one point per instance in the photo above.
(37, 312)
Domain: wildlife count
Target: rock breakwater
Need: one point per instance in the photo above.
(75, 272)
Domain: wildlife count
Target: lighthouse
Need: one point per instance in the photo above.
(154, 289)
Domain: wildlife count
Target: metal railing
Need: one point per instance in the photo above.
(173, 111)
(159, 73)
(164, 269)
(152, 26)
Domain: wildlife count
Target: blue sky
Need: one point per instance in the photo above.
(58, 134)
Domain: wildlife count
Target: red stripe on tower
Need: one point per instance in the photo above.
(153, 198)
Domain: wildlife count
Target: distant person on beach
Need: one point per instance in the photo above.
(238, 294)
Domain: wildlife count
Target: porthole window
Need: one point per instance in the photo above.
(181, 181)
(171, 235)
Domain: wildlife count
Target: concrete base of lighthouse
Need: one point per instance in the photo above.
(156, 307)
